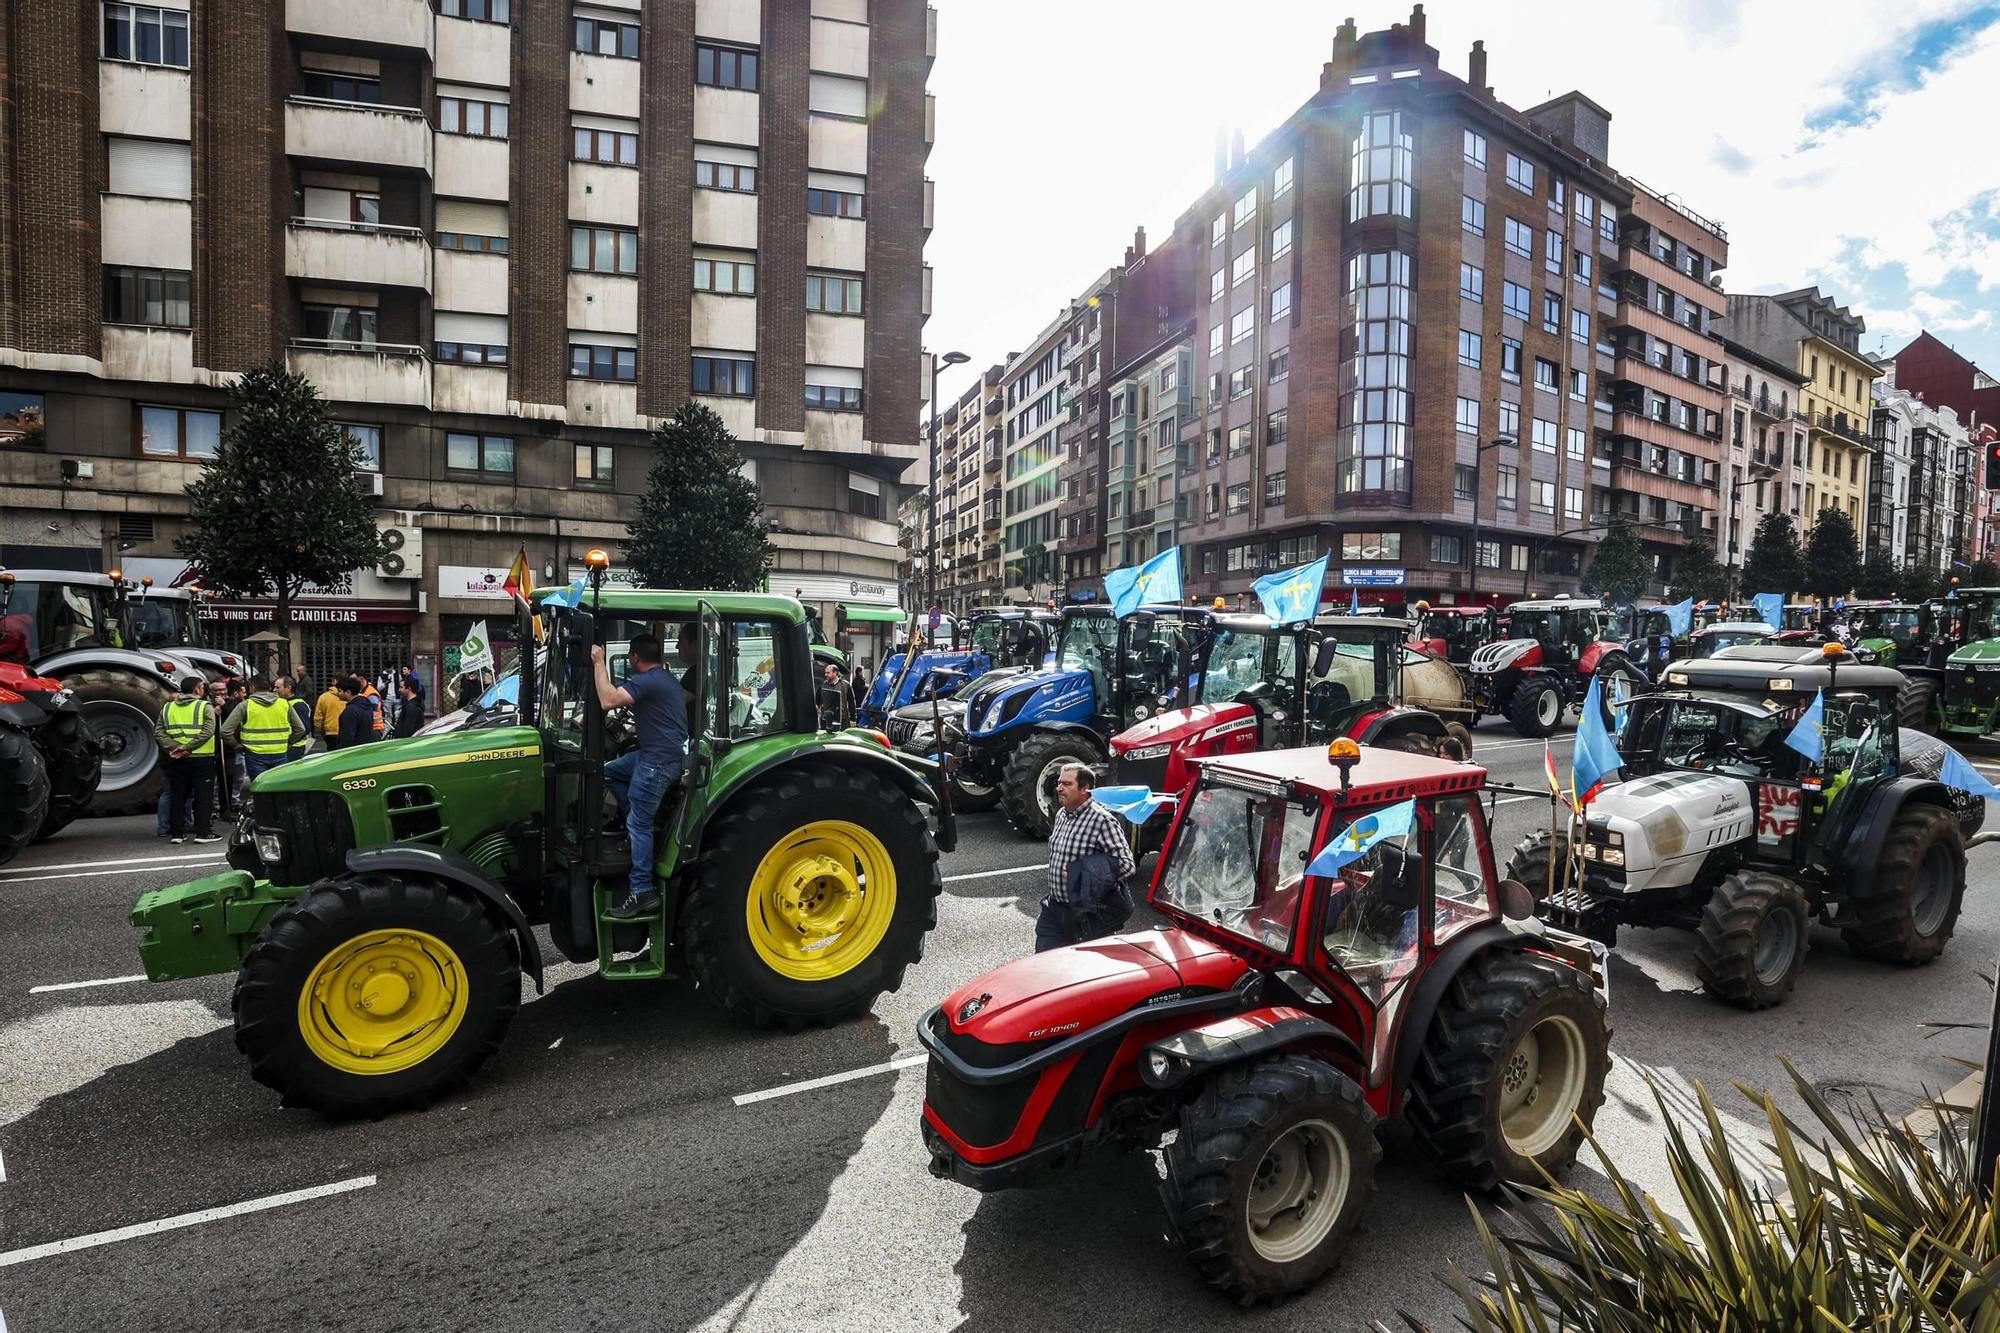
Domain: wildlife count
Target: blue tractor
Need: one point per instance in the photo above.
(989, 641)
(1018, 731)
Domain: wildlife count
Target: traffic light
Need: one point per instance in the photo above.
(1993, 467)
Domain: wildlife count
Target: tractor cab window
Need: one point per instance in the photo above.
(566, 678)
(988, 632)
(43, 618)
(1235, 664)
(1152, 660)
(1714, 643)
(1238, 863)
(751, 677)
(1896, 624)
(1713, 736)
(163, 622)
(1350, 671)
(1370, 929)
(1088, 644)
(1860, 741)
(1458, 866)
(1545, 627)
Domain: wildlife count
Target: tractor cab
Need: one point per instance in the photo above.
(1543, 668)
(1801, 625)
(1955, 690)
(45, 612)
(169, 618)
(1888, 630)
(1454, 633)
(1717, 635)
(967, 650)
(1941, 629)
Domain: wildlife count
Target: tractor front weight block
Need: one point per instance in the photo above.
(203, 927)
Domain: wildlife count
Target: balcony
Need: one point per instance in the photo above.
(355, 372)
(930, 203)
(1842, 425)
(320, 130)
(991, 519)
(357, 254)
(373, 23)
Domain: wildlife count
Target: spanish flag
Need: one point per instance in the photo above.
(520, 578)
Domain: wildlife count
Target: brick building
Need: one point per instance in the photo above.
(502, 244)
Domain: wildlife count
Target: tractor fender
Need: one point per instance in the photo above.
(1381, 728)
(147, 664)
(438, 863)
(1198, 1051)
(1444, 969)
(850, 753)
(1863, 849)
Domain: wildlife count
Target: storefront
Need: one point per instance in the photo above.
(862, 612)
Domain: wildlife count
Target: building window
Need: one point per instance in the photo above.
(1468, 348)
(1579, 326)
(1579, 386)
(593, 465)
(1464, 482)
(1239, 497)
(1521, 174)
(1542, 500)
(1576, 442)
(1239, 440)
(1475, 149)
(22, 420)
(1506, 486)
(1242, 324)
(1468, 415)
(1510, 420)
(1274, 488)
(1281, 302)
(1545, 375)
(1379, 168)
(1218, 229)
(738, 174)
(725, 67)
(1558, 193)
(1170, 378)
(1545, 436)
(833, 293)
(469, 353)
(864, 496)
(1554, 247)
(1371, 546)
(356, 326)
(464, 115)
(334, 87)
(1242, 267)
(1586, 208)
(1279, 367)
(833, 397)
(1552, 313)
(837, 95)
(1281, 179)
(480, 11)
(727, 377)
(1510, 360)
(1583, 265)
(1246, 207)
(1218, 283)
(1520, 238)
(1277, 427)
(727, 277)
(603, 250)
(467, 452)
(367, 440)
(1573, 502)
(1489, 555)
(1215, 336)
(612, 148)
(1372, 447)
(1211, 500)
(1241, 381)
(1471, 282)
(1514, 300)
(1472, 215)
(834, 198)
(607, 37)
(154, 296)
(603, 361)
(176, 432)
(1447, 549)
(146, 35)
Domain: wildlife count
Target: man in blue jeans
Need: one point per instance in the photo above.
(640, 779)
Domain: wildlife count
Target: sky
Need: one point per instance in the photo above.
(1849, 144)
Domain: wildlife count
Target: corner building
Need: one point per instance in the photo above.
(505, 238)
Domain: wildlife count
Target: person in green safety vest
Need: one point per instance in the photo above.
(186, 734)
(264, 726)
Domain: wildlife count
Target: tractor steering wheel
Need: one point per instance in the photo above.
(1718, 750)
(620, 732)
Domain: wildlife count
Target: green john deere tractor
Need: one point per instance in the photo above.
(382, 900)
(1955, 689)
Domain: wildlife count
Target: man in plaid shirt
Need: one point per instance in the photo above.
(1082, 828)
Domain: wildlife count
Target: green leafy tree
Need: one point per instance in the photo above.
(1619, 566)
(1697, 573)
(1773, 563)
(1917, 582)
(700, 522)
(279, 508)
(1983, 574)
(1833, 557)
(1879, 577)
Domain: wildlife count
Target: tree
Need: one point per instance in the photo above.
(701, 521)
(1916, 582)
(1879, 577)
(1697, 573)
(1773, 563)
(1619, 567)
(1982, 574)
(1833, 557)
(278, 508)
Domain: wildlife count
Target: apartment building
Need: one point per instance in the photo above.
(969, 498)
(1921, 489)
(1764, 466)
(504, 238)
(1081, 435)
(1929, 367)
(1821, 341)
(1151, 404)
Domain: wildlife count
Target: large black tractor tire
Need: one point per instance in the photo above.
(1028, 789)
(1512, 1070)
(971, 798)
(1290, 1141)
(761, 925)
(121, 709)
(71, 754)
(1537, 706)
(1904, 911)
(1461, 733)
(1529, 862)
(1752, 940)
(361, 949)
(24, 791)
(1916, 704)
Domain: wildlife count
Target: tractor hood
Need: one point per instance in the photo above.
(1178, 726)
(1980, 652)
(1504, 653)
(993, 703)
(388, 761)
(161, 664)
(1065, 991)
(1665, 825)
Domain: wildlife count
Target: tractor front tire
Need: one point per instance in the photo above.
(1512, 1071)
(24, 791)
(971, 798)
(121, 709)
(815, 891)
(1904, 912)
(1916, 704)
(1461, 733)
(1752, 939)
(1537, 706)
(1268, 1175)
(1529, 863)
(71, 754)
(368, 994)
(1028, 790)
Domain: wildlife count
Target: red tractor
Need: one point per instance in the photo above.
(1454, 632)
(49, 762)
(1544, 667)
(1284, 1014)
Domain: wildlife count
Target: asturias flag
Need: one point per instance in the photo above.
(1770, 608)
(1956, 772)
(520, 578)
(1680, 619)
(1391, 822)
(1809, 736)
(1354, 601)
(1134, 586)
(1594, 756)
(1292, 595)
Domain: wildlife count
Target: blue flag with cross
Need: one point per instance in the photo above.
(1809, 736)
(1354, 841)
(1157, 581)
(1292, 595)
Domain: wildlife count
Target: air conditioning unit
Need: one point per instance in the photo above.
(405, 557)
(374, 481)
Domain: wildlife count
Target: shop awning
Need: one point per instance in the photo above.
(879, 615)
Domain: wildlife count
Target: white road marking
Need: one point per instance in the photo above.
(92, 874)
(128, 861)
(3, 1180)
(81, 985)
(994, 874)
(97, 1238)
(808, 1085)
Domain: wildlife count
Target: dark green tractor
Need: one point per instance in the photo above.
(1955, 690)
(382, 901)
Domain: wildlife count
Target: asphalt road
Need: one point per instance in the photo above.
(602, 1173)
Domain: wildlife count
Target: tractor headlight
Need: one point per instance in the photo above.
(992, 718)
(1590, 851)
(270, 846)
(1150, 752)
(1614, 838)
(1613, 857)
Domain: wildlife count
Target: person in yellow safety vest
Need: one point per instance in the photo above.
(186, 734)
(265, 727)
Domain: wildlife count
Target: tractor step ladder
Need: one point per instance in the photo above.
(648, 966)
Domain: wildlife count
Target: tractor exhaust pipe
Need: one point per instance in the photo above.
(1981, 839)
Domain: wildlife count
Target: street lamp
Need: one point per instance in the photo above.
(930, 509)
(1478, 454)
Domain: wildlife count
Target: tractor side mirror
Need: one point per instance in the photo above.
(1516, 902)
(1323, 656)
(581, 627)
